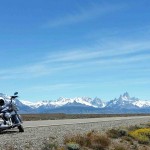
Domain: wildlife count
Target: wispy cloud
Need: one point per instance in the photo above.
(30, 71)
(54, 87)
(114, 55)
(127, 82)
(115, 52)
(84, 13)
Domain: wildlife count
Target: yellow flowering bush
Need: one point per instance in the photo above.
(141, 135)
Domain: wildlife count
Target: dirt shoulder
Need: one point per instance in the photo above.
(33, 138)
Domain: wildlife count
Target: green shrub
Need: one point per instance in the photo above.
(131, 128)
(47, 145)
(116, 133)
(73, 146)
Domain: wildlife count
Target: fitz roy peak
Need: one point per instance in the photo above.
(123, 104)
(127, 102)
(124, 101)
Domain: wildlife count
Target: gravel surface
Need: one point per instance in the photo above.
(33, 138)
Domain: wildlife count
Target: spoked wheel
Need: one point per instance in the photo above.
(21, 129)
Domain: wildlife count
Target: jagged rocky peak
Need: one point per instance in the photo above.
(46, 101)
(97, 100)
(87, 99)
(61, 99)
(126, 94)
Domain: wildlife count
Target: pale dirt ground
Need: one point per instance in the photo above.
(56, 130)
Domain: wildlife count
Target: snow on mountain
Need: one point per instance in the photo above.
(37, 104)
(84, 105)
(30, 104)
(4, 96)
(125, 101)
(96, 103)
(141, 104)
(64, 101)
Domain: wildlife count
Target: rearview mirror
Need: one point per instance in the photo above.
(16, 93)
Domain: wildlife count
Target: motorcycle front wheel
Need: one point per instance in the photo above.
(21, 129)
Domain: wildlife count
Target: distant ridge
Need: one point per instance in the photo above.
(123, 104)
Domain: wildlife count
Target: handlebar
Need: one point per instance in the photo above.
(13, 97)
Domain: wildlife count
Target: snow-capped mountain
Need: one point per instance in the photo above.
(4, 96)
(96, 103)
(123, 104)
(127, 102)
(142, 104)
(124, 101)
(35, 104)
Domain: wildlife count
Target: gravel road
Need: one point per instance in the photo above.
(36, 132)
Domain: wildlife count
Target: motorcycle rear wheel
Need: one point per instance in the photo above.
(21, 129)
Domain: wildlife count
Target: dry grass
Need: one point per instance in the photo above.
(120, 147)
(114, 139)
(28, 117)
(132, 138)
(9, 147)
(92, 140)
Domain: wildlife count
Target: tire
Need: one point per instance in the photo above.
(21, 129)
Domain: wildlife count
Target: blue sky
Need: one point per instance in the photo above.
(74, 48)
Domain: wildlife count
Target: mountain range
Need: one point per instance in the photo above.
(123, 104)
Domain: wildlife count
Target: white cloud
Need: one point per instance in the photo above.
(114, 52)
(55, 87)
(83, 13)
(113, 55)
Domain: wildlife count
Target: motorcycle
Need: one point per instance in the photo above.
(15, 118)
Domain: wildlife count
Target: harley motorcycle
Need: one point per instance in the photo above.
(12, 111)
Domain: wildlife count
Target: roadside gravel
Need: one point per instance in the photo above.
(33, 138)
